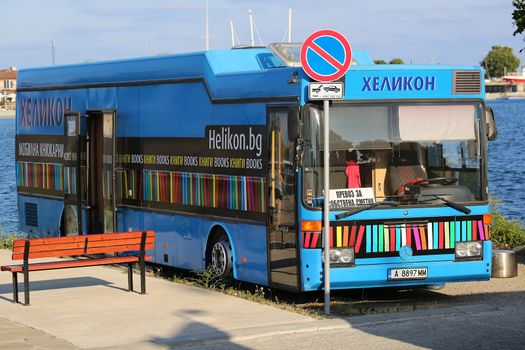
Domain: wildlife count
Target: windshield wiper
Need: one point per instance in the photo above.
(360, 209)
(457, 206)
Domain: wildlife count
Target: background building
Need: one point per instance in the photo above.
(8, 88)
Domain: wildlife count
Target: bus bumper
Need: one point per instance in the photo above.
(441, 269)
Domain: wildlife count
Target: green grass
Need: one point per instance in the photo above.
(506, 233)
(7, 239)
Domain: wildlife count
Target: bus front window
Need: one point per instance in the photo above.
(387, 147)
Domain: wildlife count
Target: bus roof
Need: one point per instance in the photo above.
(227, 74)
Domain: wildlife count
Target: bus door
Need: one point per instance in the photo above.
(72, 175)
(100, 158)
(282, 232)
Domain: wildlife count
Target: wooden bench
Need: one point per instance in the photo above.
(134, 243)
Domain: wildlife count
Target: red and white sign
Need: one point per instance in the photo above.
(326, 55)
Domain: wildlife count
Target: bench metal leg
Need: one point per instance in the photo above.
(26, 287)
(142, 263)
(15, 287)
(26, 272)
(130, 277)
(142, 277)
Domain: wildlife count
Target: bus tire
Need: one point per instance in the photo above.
(221, 256)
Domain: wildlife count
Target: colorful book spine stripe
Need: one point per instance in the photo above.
(204, 190)
(70, 180)
(129, 184)
(381, 238)
(44, 176)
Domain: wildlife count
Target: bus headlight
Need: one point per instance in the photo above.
(342, 256)
(469, 250)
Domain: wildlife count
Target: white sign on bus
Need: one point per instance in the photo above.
(351, 197)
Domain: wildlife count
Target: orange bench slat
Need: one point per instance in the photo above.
(76, 239)
(80, 245)
(82, 251)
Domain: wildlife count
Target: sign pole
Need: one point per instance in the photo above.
(326, 211)
(316, 55)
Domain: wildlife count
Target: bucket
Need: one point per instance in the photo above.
(504, 264)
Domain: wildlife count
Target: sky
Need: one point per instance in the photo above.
(418, 31)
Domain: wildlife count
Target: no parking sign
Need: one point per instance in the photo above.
(326, 55)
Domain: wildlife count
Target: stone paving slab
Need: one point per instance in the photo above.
(15, 336)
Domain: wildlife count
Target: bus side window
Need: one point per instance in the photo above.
(281, 170)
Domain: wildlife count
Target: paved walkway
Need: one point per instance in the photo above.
(90, 308)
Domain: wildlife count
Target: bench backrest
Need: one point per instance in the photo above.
(81, 245)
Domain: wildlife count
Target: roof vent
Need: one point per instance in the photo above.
(466, 82)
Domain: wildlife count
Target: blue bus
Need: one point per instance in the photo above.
(221, 153)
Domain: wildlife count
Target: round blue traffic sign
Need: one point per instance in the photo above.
(326, 55)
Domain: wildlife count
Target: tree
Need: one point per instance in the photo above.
(379, 61)
(518, 15)
(499, 61)
(396, 61)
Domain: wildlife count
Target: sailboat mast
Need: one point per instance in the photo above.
(289, 25)
(251, 28)
(232, 33)
(207, 34)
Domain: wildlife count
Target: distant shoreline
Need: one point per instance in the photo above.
(7, 114)
(504, 95)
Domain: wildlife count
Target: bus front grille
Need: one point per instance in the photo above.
(383, 238)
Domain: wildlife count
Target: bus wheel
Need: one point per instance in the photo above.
(221, 257)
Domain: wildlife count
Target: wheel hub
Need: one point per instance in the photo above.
(218, 258)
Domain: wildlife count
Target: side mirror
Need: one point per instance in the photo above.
(293, 123)
(491, 129)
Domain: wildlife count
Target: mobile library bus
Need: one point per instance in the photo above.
(221, 153)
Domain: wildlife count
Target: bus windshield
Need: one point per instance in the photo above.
(386, 147)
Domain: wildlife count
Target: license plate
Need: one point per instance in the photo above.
(408, 274)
